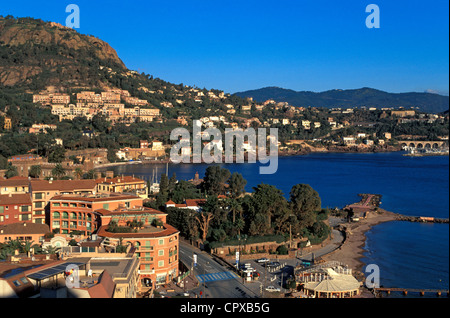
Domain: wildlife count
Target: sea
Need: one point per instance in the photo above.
(409, 255)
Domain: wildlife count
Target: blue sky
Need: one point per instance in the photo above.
(235, 45)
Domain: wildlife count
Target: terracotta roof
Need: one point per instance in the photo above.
(14, 182)
(24, 228)
(68, 197)
(63, 185)
(105, 287)
(168, 230)
(124, 179)
(195, 202)
(18, 178)
(20, 198)
(170, 202)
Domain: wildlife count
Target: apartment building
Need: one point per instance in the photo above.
(69, 213)
(156, 246)
(123, 184)
(14, 185)
(42, 191)
(15, 208)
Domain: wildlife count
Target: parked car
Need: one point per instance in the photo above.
(272, 289)
(262, 260)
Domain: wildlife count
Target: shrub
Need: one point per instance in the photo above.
(282, 250)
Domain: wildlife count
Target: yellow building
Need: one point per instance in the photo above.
(123, 184)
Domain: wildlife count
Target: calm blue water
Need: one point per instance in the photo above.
(409, 254)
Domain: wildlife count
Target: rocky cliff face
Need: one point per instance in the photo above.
(32, 50)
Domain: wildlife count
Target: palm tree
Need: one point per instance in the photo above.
(50, 250)
(58, 171)
(234, 207)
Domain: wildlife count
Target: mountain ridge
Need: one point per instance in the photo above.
(365, 96)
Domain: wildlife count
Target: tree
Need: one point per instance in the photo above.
(215, 179)
(78, 173)
(267, 200)
(11, 171)
(237, 185)
(164, 184)
(172, 182)
(304, 201)
(203, 220)
(234, 207)
(56, 154)
(58, 171)
(35, 171)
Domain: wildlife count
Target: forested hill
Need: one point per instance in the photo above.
(368, 97)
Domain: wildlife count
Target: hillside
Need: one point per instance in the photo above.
(351, 98)
(33, 52)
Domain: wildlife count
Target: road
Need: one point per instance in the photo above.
(230, 285)
(206, 264)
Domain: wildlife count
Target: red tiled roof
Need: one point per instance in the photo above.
(195, 202)
(63, 185)
(124, 179)
(170, 202)
(169, 230)
(24, 228)
(65, 197)
(105, 287)
(14, 182)
(20, 198)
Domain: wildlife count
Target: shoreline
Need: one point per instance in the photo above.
(280, 154)
(352, 249)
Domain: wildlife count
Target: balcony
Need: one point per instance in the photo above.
(145, 248)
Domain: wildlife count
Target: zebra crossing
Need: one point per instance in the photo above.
(205, 278)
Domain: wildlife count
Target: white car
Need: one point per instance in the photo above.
(272, 289)
(262, 260)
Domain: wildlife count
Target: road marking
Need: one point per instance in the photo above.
(216, 277)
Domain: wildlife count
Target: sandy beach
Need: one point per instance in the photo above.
(351, 251)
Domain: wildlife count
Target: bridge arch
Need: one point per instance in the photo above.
(419, 145)
(435, 145)
(412, 145)
(427, 146)
(404, 145)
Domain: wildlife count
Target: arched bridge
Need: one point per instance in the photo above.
(423, 144)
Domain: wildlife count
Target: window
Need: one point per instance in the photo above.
(24, 208)
(65, 215)
(161, 264)
(25, 217)
(38, 205)
(38, 196)
(65, 204)
(106, 206)
(56, 205)
(55, 223)
(161, 242)
(2, 209)
(24, 280)
(161, 253)
(17, 283)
